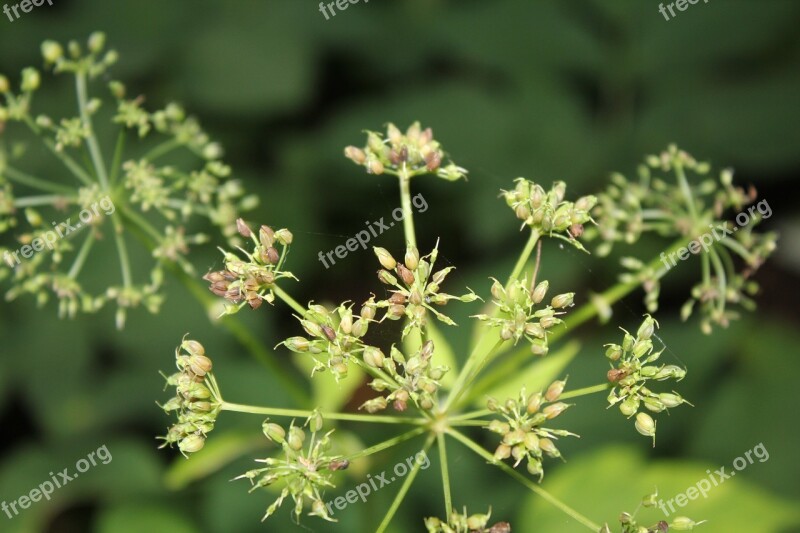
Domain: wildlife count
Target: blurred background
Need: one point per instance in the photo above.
(568, 90)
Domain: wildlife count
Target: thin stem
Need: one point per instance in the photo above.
(448, 499)
(470, 415)
(584, 391)
(116, 162)
(288, 300)
(91, 141)
(161, 149)
(405, 200)
(122, 252)
(404, 489)
(524, 256)
(685, 189)
(530, 484)
(301, 413)
(721, 277)
(48, 199)
(80, 259)
(538, 262)
(34, 182)
(467, 373)
(388, 443)
(737, 247)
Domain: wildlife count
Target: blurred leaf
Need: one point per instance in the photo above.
(136, 518)
(218, 452)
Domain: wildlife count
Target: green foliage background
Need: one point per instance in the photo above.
(570, 90)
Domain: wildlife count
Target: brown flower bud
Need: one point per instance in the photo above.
(406, 275)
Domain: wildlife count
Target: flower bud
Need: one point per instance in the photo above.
(385, 258)
(554, 390)
(554, 409)
(315, 421)
(653, 404)
(406, 275)
(642, 347)
(549, 447)
(561, 301)
(374, 405)
(30, 80)
(412, 258)
(191, 444)
(682, 523)
(297, 344)
(284, 236)
(534, 402)
(670, 371)
(4, 85)
(356, 155)
(671, 400)
(502, 452)
(646, 425)
(52, 51)
(200, 365)
(535, 467)
(539, 347)
(629, 406)
(296, 438)
(97, 40)
(273, 432)
(614, 352)
(540, 291)
(499, 427)
(374, 166)
(243, 229)
(373, 357)
(647, 328)
(266, 235)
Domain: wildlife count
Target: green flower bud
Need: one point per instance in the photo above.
(191, 444)
(386, 277)
(670, 371)
(539, 347)
(52, 51)
(614, 352)
(646, 425)
(374, 405)
(671, 400)
(627, 342)
(682, 523)
(273, 431)
(535, 467)
(647, 328)
(502, 452)
(30, 80)
(373, 357)
(284, 236)
(540, 291)
(412, 258)
(532, 442)
(534, 403)
(642, 347)
(554, 390)
(97, 41)
(629, 406)
(296, 438)
(549, 447)
(297, 344)
(561, 301)
(315, 421)
(653, 404)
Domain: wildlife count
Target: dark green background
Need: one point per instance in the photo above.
(549, 90)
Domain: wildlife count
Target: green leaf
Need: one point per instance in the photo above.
(536, 376)
(328, 393)
(215, 455)
(135, 518)
(607, 482)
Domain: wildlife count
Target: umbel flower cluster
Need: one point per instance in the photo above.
(517, 317)
(250, 281)
(466, 523)
(524, 436)
(197, 400)
(632, 369)
(305, 470)
(144, 195)
(678, 207)
(629, 523)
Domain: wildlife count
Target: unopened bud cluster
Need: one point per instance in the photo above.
(629, 523)
(303, 474)
(197, 399)
(249, 281)
(524, 437)
(547, 212)
(632, 368)
(411, 154)
(413, 378)
(335, 337)
(466, 523)
(416, 288)
(517, 315)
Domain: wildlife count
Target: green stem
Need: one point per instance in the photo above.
(161, 149)
(49, 199)
(584, 391)
(524, 256)
(721, 277)
(448, 500)
(586, 312)
(388, 443)
(94, 147)
(34, 182)
(288, 300)
(301, 413)
(530, 484)
(404, 489)
(467, 373)
(80, 259)
(116, 162)
(685, 189)
(122, 252)
(405, 200)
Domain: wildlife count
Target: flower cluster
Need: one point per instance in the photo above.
(335, 337)
(677, 207)
(409, 378)
(416, 287)
(464, 523)
(409, 155)
(630, 525)
(630, 372)
(250, 282)
(524, 438)
(304, 474)
(516, 316)
(197, 400)
(151, 198)
(547, 212)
